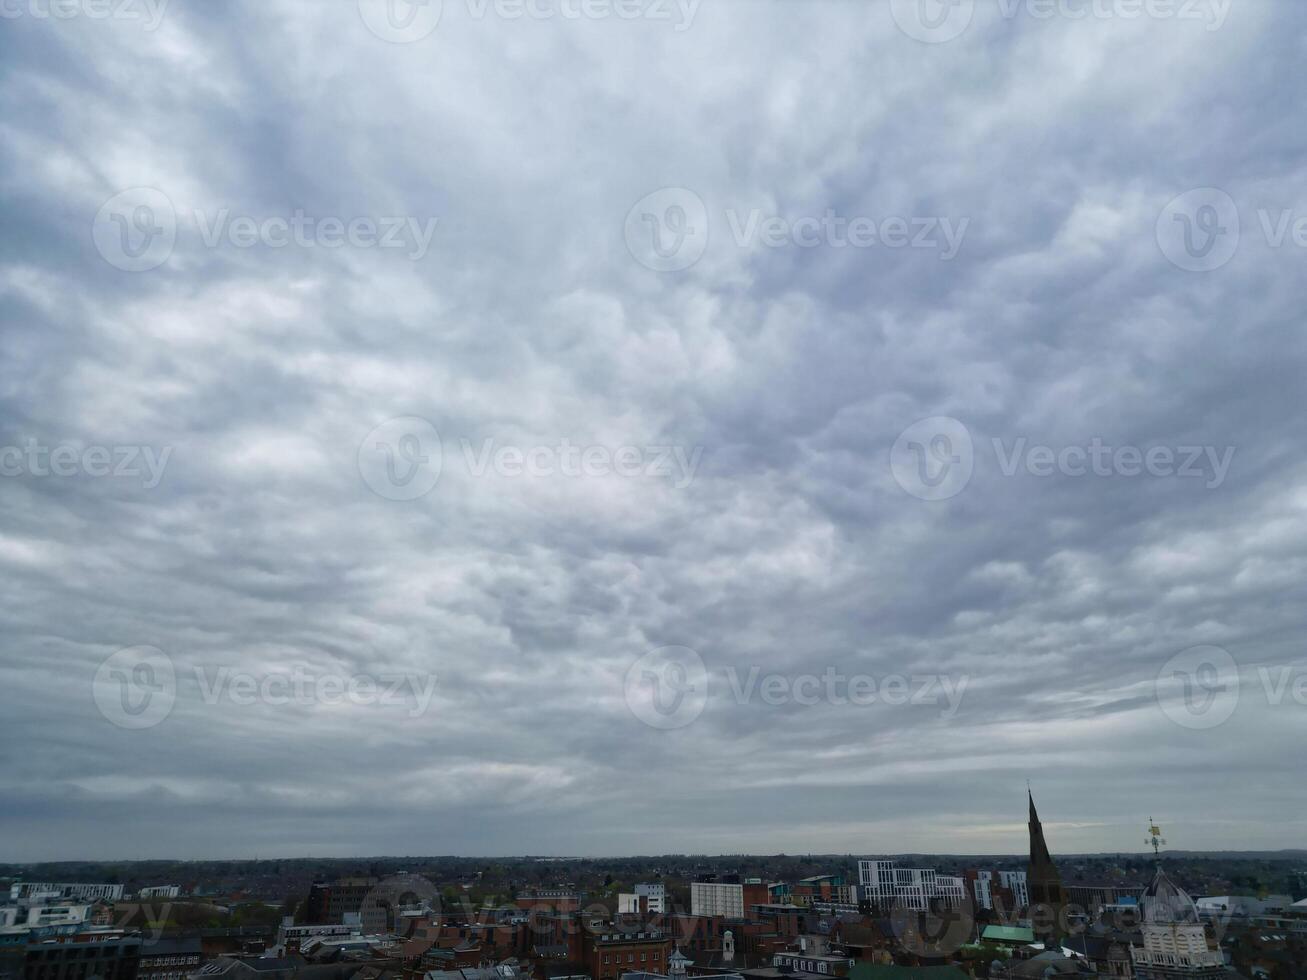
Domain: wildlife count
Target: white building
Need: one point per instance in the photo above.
(43, 917)
(887, 886)
(655, 897)
(1243, 906)
(23, 889)
(1174, 940)
(160, 891)
(983, 885)
(1015, 881)
(982, 889)
(717, 898)
(291, 934)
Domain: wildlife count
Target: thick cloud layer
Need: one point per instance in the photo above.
(667, 421)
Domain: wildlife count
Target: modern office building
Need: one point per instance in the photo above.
(115, 958)
(330, 901)
(995, 889)
(888, 886)
(731, 899)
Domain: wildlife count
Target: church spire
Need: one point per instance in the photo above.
(1038, 846)
(1047, 897)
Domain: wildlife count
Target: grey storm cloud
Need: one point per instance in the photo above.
(200, 202)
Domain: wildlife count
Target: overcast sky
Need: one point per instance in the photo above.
(382, 396)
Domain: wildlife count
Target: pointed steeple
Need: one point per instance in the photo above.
(1047, 897)
(1038, 846)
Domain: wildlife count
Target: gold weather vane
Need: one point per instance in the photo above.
(1155, 838)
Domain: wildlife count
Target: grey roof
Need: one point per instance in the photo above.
(1166, 902)
(170, 947)
(270, 964)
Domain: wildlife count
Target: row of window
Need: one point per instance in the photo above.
(77, 971)
(630, 957)
(60, 951)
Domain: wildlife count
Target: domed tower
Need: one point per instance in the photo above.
(677, 963)
(1175, 943)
